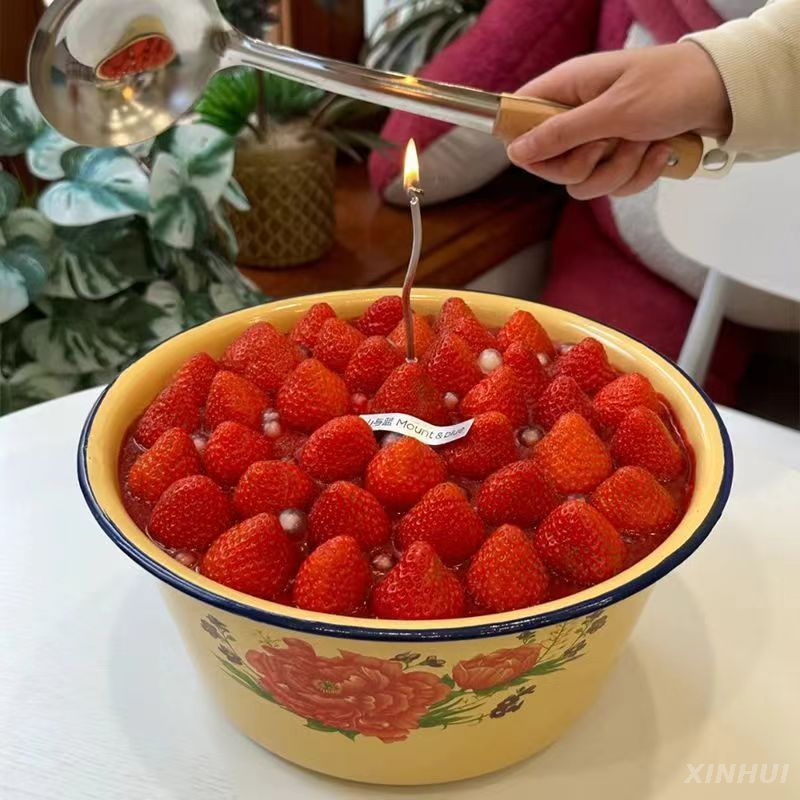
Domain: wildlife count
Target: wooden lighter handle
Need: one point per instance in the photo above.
(518, 115)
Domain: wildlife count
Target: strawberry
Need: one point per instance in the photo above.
(336, 342)
(272, 486)
(402, 472)
(173, 456)
(452, 365)
(532, 377)
(334, 579)
(311, 396)
(489, 445)
(419, 586)
(474, 334)
(381, 317)
(195, 376)
(446, 521)
(339, 449)
(371, 365)
(578, 543)
(587, 363)
(190, 514)
(262, 354)
(617, 398)
(344, 508)
(518, 493)
(523, 326)
(643, 440)
(231, 449)
(561, 396)
(307, 328)
(234, 398)
(498, 391)
(255, 557)
(173, 408)
(410, 390)
(506, 573)
(288, 445)
(634, 502)
(572, 455)
(423, 336)
(453, 310)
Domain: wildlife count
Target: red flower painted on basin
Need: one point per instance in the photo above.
(349, 692)
(495, 669)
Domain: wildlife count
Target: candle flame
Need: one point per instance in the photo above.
(411, 167)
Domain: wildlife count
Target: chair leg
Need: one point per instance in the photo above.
(698, 346)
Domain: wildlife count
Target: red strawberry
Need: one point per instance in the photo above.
(643, 440)
(489, 445)
(190, 514)
(339, 449)
(578, 543)
(311, 396)
(453, 310)
(234, 398)
(262, 355)
(524, 361)
(381, 317)
(173, 408)
(410, 390)
(419, 586)
(506, 573)
(336, 342)
(307, 328)
(288, 444)
(231, 449)
(523, 326)
(423, 336)
(617, 398)
(572, 455)
(272, 486)
(173, 456)
(587, 363)
(255, 557)
(452, 365)
(195, 376)
(474, 334)
(344, 508)
(446, 521)
(334, 579)
(371, 365)
(402, 472)
(634, 502)
(498, 391)
(519, 493)
(561, 396)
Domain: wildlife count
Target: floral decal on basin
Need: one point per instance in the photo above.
(357, 695)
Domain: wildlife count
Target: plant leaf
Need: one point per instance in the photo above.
(23, 272)
(234, 194)
(101, 185)
(13, 291)
(20, 120)
(43, 157)
(32, 384)
(27, 223)
(229, 100)
(164, 296)
(9, 193)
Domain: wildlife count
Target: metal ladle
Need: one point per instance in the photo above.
(84, 78)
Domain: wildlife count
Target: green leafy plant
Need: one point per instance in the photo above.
(106, 252)
(410, 33)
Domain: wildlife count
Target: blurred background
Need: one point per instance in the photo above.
(308, 198)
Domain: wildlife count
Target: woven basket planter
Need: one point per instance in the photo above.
(289, 181)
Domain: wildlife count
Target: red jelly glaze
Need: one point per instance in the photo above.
(637, 548)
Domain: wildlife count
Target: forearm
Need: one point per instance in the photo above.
(759, 61)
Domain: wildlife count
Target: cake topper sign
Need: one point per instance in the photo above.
(414, 192)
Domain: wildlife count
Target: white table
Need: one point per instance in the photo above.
(98, 702)
(745, 227)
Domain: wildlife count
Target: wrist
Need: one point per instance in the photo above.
(714, 114)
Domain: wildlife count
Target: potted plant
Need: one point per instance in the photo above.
(105, 252)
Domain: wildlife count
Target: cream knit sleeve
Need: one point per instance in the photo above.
(759, 61)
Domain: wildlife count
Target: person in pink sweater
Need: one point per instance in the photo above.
(609, 259)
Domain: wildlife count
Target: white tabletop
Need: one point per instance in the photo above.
(98, 701)
(745, 225)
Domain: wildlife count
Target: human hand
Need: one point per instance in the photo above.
(627, 103)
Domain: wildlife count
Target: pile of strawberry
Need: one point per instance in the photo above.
(258, 471)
